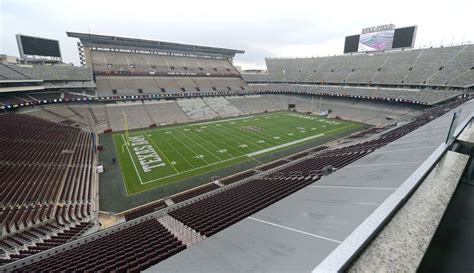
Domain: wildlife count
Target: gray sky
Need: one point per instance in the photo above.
(290, 28)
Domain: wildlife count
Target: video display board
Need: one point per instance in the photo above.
(38, 48)
(404, 37)
(381, 38)
(351, 44)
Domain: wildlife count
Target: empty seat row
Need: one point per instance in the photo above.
(144, 210)
(134, 249)
(60, 237)
(46, 171)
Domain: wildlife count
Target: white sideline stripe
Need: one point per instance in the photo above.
(295, 230)
(133, 161)
(351, 187)
(283, 145)
(219, 121)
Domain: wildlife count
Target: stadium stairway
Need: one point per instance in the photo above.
(40, 238)
(92, 114)
(150, 116)
(64, 118)
(185, 234)
(208, 105)
(75, 111)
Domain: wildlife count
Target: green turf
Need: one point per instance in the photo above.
(193, 149)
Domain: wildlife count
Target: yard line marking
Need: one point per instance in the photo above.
(182, 125)
(200, 145)
(274, 127)
(295, 142)
(270, 129)
(120, 167)
(158, 148)
(133, 161)
(212, 143)
(190, 170)
(237, 136)
(283, 145)
(224, 143)
(247, 134)
(295, 230)
(256, 160)
(350, 187)
(222, 120)
(180, 154)
(177, 139)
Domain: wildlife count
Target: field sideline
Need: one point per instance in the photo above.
(150, 158)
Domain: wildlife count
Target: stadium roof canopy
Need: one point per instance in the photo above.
(123, 43)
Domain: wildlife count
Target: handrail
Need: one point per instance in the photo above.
(80, 232)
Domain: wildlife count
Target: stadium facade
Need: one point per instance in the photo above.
(330, 202)
(133, 67)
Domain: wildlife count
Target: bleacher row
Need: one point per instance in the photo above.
(38, 239)
(222, 106)
(128, 74)
(149, 208)
(368, 132)
(148, 242)
(113, 62)
(443, 66)
(212, 214)
(46, 172)
(8, 72)
(369, 112)
(45, 72)
(135, 213)
(147, 85)
(129, 250)
(144, 210)
(416, 96)
(224, 209)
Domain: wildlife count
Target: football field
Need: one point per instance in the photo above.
(153, 157)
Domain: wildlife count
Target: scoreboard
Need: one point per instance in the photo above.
(35, 48)
(381, 38)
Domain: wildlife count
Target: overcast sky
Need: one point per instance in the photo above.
(290, 28)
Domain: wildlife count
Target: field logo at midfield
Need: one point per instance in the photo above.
(146, 154)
